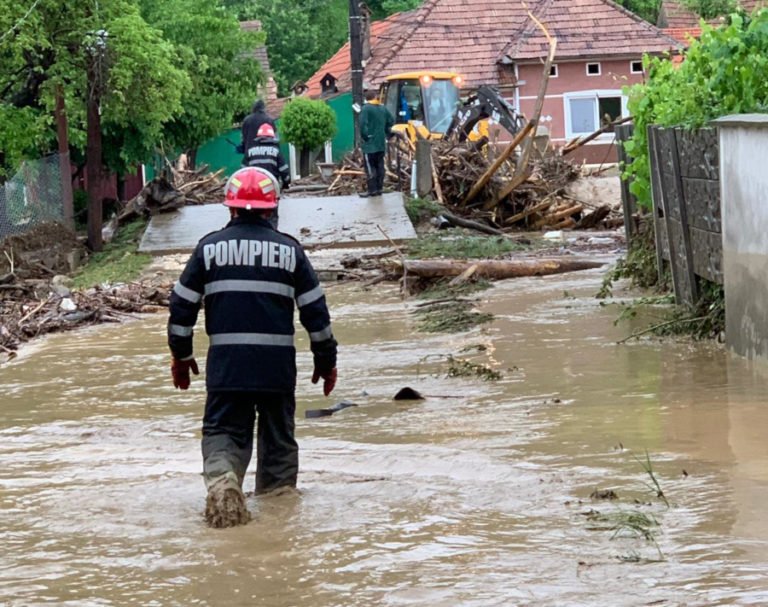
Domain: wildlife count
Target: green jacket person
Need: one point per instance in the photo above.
(375, 128)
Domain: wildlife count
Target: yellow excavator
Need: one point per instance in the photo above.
(428, 105)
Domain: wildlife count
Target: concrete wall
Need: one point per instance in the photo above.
(744, 193)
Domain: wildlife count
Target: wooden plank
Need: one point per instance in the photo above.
(702, 201)
(667, 172)
(628, 200)
(691, 291)
(662, 241)
(708, 259)
(659, 221)
(699, 153)
(665, 196)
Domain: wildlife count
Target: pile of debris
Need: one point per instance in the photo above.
(33, 307)
(471, 181)
(35, 297)
(171, 190)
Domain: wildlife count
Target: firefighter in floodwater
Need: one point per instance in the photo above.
(249, 276)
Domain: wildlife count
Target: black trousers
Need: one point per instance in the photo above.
(374, 168)
(227, 444)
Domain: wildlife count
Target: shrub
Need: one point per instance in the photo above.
(307, 123)
(722, 73)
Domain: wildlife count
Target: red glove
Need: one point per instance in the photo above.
(329, 380)
(180, 371)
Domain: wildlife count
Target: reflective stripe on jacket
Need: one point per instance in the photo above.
(249, 277)
(264, 153)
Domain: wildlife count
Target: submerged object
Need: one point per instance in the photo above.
(408, 394)
(310, 413)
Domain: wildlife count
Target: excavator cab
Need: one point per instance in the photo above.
(423, 104)
(427, 105)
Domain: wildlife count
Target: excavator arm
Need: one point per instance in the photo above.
(486, 103)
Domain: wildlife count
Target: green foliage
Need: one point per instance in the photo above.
(142, 87)
(645, 9)
(710, 9)
(383, 8)
(217, 55)
(639, 266)
(723, 73)
(452, 316)
(118, 262)
(421, 209)
(145, 88)
(460, 367)
(462, 247)
(307, 123)
(301, 34)
(21, 131)
(399, 6)
(442, 289)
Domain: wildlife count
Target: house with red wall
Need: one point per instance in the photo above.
(600, 47)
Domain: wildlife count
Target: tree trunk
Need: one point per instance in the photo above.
(64, 162)
(192, 159)
(94, 161)
(497, 269)
(304, 162)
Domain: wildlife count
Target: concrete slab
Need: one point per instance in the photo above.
(178, 232)
(333, 221)
(344, 221)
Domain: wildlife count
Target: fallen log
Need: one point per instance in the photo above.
(496, 268)
(594, 218)
(472, 225)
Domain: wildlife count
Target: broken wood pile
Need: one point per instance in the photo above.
(349, 178)
(199, 186)
(164, 194)
(533, 199)
(33, 307)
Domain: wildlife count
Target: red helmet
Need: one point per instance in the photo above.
(251, 188)
(265, 130)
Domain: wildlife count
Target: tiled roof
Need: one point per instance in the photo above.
(471, 38)
(683, 34)
(455, 36)
(260, 54)
(589, 28)
(339, 64)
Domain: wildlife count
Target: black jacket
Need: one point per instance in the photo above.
(264, 153)
(251, 126)
(248, 276)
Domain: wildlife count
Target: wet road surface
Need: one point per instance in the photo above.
(478, 496)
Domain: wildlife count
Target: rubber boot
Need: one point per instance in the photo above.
(225, 504)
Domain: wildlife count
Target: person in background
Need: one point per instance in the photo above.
(252, 122)
(249, 277)
(375, 128)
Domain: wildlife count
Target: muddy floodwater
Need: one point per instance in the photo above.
(477, 496)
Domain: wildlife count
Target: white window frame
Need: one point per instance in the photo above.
(632, 69)
(596, 95)
(556, 71)
(599, 68)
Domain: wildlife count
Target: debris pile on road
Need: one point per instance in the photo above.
(472, 181)
(199, 186)
(35, 293)
(33, 307)
(162, 195)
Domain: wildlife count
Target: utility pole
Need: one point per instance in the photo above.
(356, 55)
